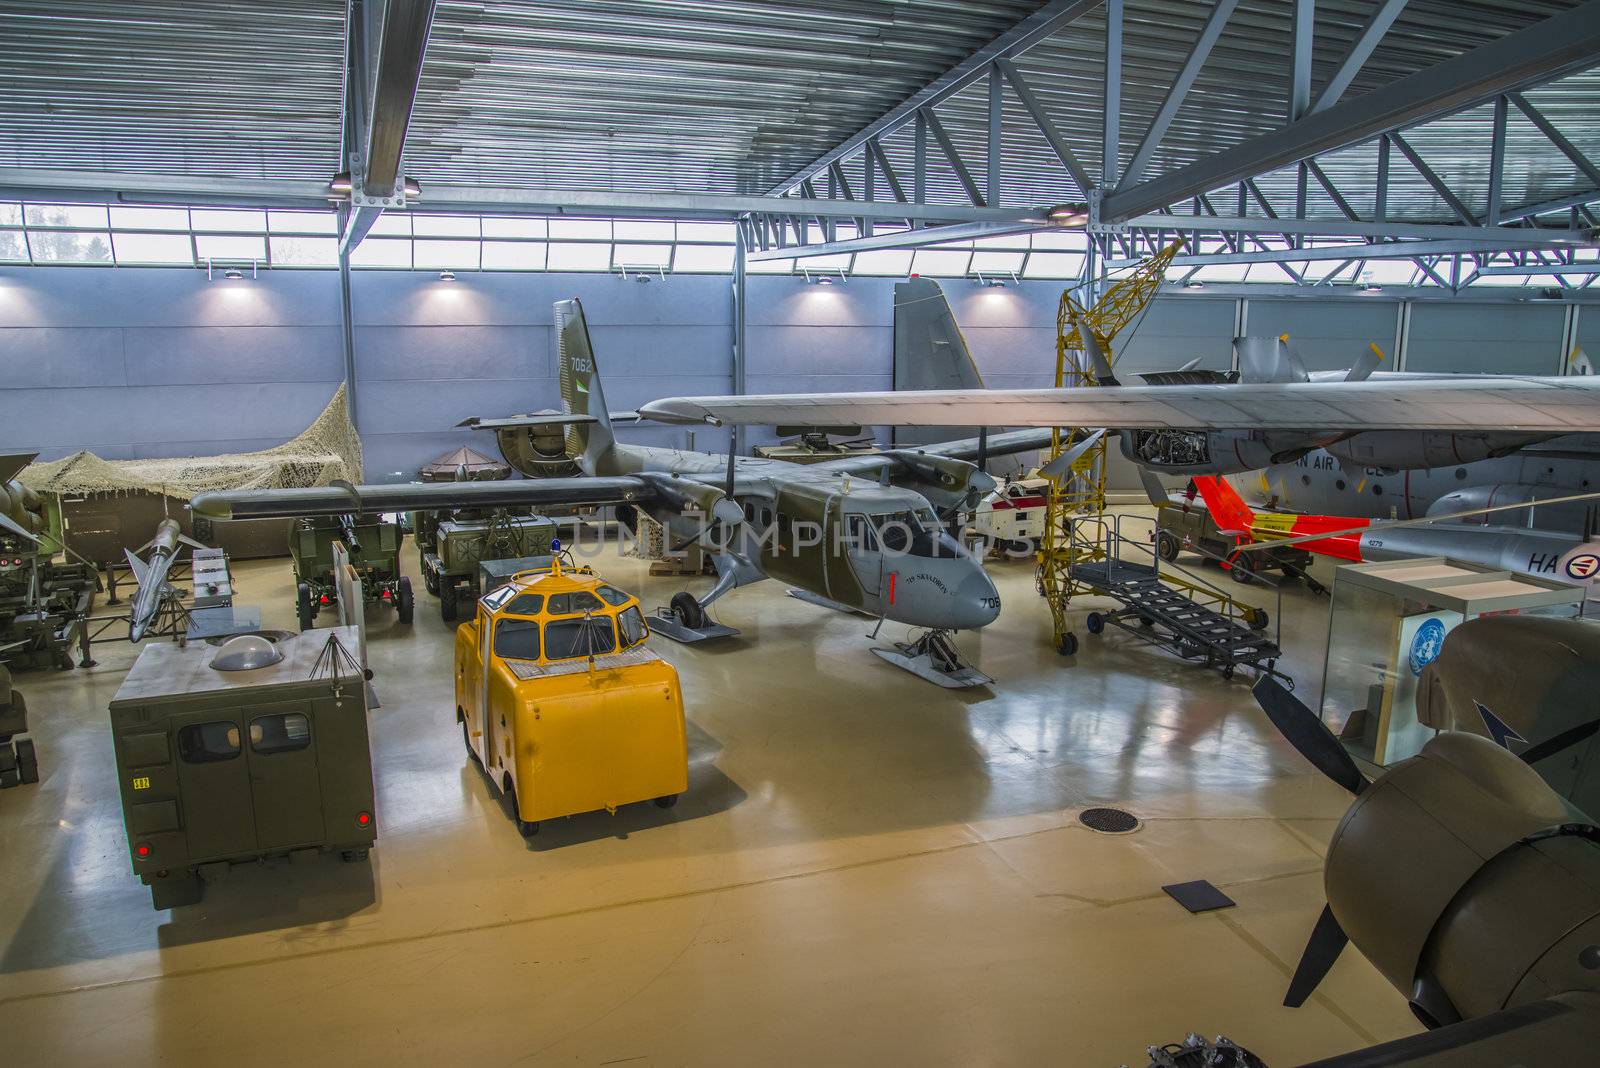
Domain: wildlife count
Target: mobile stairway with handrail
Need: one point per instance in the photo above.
(1179, 612)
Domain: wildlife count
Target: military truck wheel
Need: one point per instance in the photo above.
(688, 610)
(447, 601)
(350, 856)
(27, 761)
(405, 604)
(1167, 546)
(304, 609)
(666, 802)
(430, 580)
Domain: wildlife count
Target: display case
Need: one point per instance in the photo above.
(1387, 621)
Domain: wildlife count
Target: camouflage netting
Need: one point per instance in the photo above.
(328, 450)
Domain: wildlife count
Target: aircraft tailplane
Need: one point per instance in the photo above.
(581, 392)
(1227, 508)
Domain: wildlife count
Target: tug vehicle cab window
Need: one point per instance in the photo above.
(566, 639)
(631, 624)
(526, 604)
(517, 639)
(612, 596)
(563, 604)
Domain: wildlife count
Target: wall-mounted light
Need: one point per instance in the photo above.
(1370, 287)
(642, 272)
(824, 276)
(447, 275)
(995, 280)
(1194, 285)
(232, 272)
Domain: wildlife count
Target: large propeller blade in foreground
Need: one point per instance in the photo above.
(1326, 943)
(1553, 745)
(1313, 740)
(1307, 733)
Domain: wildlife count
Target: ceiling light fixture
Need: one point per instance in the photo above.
(824, 276)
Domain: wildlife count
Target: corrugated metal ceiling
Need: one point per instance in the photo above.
(727, 96)
(207, 87)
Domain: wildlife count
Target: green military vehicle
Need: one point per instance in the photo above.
(452, 546)
(229, 754)
(19, 764)
(374, 546)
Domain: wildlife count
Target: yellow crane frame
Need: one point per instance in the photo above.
(1075, 524)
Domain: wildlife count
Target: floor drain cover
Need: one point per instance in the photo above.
(1109, 820)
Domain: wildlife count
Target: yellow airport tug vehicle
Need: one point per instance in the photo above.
(562, 703)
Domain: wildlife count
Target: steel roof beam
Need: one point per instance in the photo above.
(1557, 138)
(395, 36)
(1382, 250)
(492, 200)
(1559, 45)
(933, 235)
(1489, 237)
(1042, 120)
(1215, 23)
(1360, 51)
(1043, 23)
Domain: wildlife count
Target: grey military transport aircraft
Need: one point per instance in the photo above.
(859, 533)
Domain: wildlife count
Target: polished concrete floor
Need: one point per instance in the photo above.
(866, 869)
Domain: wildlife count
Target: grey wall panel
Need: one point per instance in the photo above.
(443, 353)
(661, 350)
(157, 296)
(264, 355)
(55, 356)
(1328, 335)
(820, 350)
(1174, 331)
(1485, 338)
(500, 298)
(775, 301)
(436, 407)
(158, 420)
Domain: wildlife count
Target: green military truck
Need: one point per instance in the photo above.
(453, 546)
(228, 754)
(19, 764)
(374, 547)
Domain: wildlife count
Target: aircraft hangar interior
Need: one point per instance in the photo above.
(819, 532)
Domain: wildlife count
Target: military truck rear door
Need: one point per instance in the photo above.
(217, 812)
(284, 780)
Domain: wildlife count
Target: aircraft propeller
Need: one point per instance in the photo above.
(1312, 739)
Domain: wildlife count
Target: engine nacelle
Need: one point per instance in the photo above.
(1406, 450)
(1214, 452)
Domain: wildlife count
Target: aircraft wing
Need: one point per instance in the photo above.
(421, 496)
(1544, 405)
(1562, 1030)
(1002, 444)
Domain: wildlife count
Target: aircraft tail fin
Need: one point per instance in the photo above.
(930, 351)
(1227, 508)
(581, 392)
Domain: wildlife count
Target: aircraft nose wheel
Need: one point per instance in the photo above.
(688, 610)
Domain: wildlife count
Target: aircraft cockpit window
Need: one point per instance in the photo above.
(612, 596)
(516, 639)
(562, 604)
(528, 604)
(859, 533)
(570, 638)
(913, 533)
